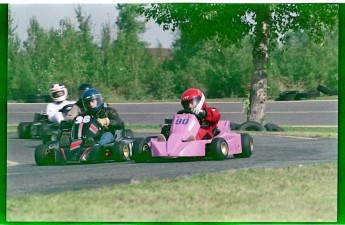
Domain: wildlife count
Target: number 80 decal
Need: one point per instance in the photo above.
(182, 121)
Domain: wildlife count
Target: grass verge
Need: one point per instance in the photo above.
(304, 193)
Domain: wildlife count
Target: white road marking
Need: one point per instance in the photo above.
(305, 138)
(11, 163)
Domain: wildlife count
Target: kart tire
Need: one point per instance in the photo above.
(273, 127)
(120, 151)
(219, 149)
(43, 129)
(301, 95)
(24, 130)
(288, 95)
(43, 155)
(312, 94)
(128, 133)
(247, 146)
(234, 126)
(251, 126)
(140, 151)
(148, 138)
(326, 90)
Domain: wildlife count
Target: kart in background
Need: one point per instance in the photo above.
(178, 144)
(38, 128)
(41, 127)
(73, 146)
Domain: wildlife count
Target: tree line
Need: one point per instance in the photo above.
(121, 65)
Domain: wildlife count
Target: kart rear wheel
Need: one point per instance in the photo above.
(24, 130)
(140, 151)
(43, 156)
(121, 151)
(219, 149)
(247, 146)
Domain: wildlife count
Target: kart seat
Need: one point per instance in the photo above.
(41, 117)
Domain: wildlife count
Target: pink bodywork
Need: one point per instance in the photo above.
(185, 125)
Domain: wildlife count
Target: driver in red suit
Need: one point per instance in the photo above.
(193, 100)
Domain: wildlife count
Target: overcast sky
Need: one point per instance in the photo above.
(49, 15)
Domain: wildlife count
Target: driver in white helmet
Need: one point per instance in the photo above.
(58, 94)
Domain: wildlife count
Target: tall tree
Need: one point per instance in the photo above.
(38, 56)
(230, 23)
(131, 58)
(88, 49)
(13, 54)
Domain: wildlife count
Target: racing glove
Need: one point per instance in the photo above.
(199, 112)
(104, 122)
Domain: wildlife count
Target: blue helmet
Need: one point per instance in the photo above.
(88, 98)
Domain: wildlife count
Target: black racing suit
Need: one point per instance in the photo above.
(115, 121)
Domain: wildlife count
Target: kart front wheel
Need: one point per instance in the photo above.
(43, 155)
(121, 151)
(247, 146)
(140, 151)
(219, 149)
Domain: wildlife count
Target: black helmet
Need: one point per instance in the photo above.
(82, 88)
(88, 96)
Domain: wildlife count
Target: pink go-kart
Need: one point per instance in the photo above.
(179, 144)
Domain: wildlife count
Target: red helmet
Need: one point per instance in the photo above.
(195, 96)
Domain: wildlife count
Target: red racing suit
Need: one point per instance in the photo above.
(208, 123)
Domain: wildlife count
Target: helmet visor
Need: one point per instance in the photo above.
(190, 104)
(92, 102)
(58, 94)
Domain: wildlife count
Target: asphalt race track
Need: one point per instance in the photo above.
(24, 177)
(28, 178)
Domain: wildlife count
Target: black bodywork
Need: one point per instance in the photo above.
(38, 128)
(74, 145)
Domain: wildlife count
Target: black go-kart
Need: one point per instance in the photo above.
(36, 129)
(78, 144)
(41, 127)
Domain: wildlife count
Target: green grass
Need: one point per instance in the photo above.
(304, 193)
(306, 132)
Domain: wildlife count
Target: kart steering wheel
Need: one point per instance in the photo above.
(182, 111)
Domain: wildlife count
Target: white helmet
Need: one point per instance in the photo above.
(58, 92)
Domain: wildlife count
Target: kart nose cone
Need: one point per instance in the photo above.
(174, 147)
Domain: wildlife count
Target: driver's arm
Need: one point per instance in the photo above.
(110, 119)
(212, 115)
(73, 113)
(114, 120)
(53, 113)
